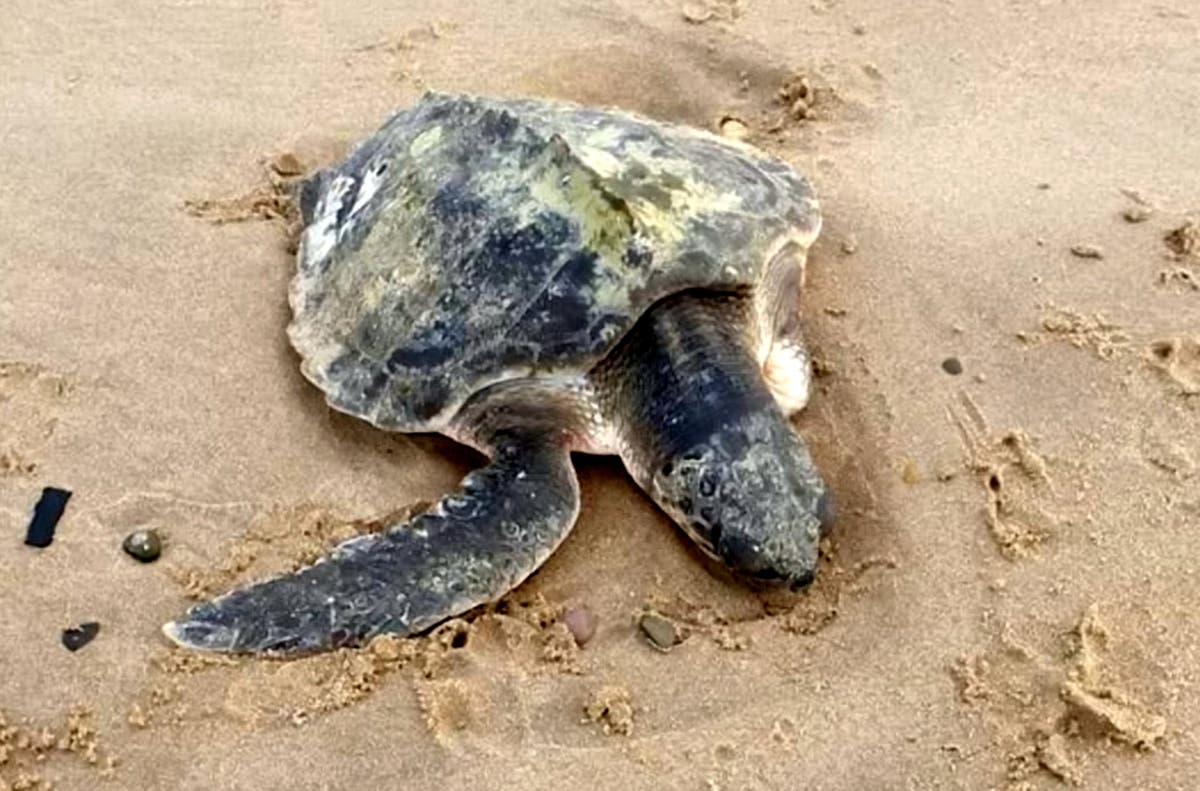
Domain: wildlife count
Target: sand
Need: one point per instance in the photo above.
(1008, 600)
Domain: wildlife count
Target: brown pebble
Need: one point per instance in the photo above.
(952, 366)
(581, 622)
(849, 244)
(1087, 251)
(286, 164)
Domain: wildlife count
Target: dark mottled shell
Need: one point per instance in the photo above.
(473, 240)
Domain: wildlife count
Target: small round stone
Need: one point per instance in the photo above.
(660, 632)
(952, 366)
(144, 545)
(581, 622)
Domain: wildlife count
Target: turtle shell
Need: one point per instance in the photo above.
(474, 240)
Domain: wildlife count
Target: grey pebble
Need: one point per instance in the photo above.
(661, 633)
(952, 366)
(144, 545)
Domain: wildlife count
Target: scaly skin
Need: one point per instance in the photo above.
(472, 547)
(702, 433)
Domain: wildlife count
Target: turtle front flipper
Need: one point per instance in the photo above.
(472, 547)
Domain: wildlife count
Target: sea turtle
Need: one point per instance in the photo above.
(532, 278)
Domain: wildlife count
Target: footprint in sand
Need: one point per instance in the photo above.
(1178, 359)
(31, 400)
(1053, 711)
(1014, 478)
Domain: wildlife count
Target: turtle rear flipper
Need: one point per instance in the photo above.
(472, 547)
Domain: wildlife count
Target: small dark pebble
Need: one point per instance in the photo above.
(46, 513)
(145, 545)
(79, 636)
(660, 632)
(581, 622)
(952, 366)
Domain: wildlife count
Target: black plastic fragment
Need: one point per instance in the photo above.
(79, 636)
(46, 514)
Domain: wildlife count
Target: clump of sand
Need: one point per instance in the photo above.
(26, 750)
(273, 200)
(1183, 240)
(611, 707)
(1095, 332)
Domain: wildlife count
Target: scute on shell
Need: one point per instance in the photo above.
(473, 240)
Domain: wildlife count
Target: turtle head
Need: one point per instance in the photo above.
(751, 497)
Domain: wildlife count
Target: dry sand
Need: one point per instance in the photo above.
(1010, 597)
